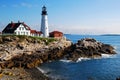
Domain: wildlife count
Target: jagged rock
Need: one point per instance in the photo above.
(88, 48)
(7, 39)
(18, 46)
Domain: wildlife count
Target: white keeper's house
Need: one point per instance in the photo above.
(20, 28)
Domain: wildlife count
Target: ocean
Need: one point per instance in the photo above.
(105, 68)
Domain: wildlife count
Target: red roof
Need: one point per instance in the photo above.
(26, 26)
(56, 32)
(39, 32)
(32, 31)
(13, 25)
(35, 32)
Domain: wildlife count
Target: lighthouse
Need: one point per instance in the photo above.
(44, 22)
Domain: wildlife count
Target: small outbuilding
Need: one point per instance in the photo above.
(56, 34)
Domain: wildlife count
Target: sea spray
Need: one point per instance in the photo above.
(67, 61)
(82, 59)
(41, 70)
(107, 56)
(85, 58)
(48, 74)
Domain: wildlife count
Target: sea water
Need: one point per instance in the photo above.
(105, 68)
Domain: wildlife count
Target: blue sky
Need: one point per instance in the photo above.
(68, 16)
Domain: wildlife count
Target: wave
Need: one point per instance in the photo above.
(82, 59)
(44, 71)
(67, 61)
(58, 77)
(49, 74)
(41, 70)
(115, 47)
(107, 56)
(85, 58)
(103, 56)
(79, 59)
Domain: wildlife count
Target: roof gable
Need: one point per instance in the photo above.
(26, 26)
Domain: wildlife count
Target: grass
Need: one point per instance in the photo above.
(46, 40)
(20, 36)
(23, 37)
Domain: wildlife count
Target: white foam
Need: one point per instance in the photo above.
(85, 58)
(107, 56)
(41, 70)
(115, 47)
(67, 61)
(56, 77)
(82, 58)
(52, 76)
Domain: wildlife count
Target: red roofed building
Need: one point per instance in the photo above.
(35, 33)
(56, 34)
(20, 28)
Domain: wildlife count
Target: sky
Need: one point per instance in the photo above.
(69, 16)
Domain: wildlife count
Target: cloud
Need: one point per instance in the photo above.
(86, 29)
(26, 5)
(23, 4)
(3, 5)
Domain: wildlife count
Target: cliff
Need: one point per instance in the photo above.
(28, 52)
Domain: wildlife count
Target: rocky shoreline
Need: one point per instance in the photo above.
(22, 74)
(28, 52)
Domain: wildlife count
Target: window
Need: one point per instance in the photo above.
(19, 28)
(22, 28)
(21, 33)
(26, 33)
(18, 33)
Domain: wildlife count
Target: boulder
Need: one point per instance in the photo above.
(88, 47)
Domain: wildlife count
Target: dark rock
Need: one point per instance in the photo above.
(118, 78)
(19, 46)
(7, 39)
(88, 48)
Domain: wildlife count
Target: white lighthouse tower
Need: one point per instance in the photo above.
(44, 23)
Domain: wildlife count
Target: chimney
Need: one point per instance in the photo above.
(18, 21)
(11, 22)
